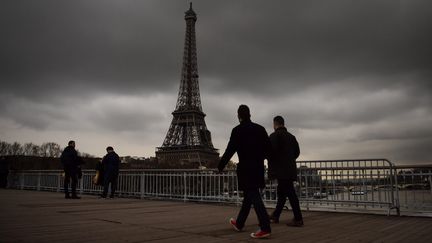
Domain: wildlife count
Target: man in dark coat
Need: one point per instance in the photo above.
(71, 162)
(252, 145)
(282, 166)
(111, 165)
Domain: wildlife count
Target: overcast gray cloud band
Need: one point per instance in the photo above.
(352, 78)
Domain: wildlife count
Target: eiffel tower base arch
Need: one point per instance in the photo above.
(190, 158)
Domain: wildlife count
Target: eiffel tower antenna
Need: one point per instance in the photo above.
(188, 142)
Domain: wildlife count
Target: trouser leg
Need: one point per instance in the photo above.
(281, 200)
(66, 182)
(74, 179)
(106, 183)
(113, 184)
(244, 210)
(260, 210)
(3, 182)
(294, 201)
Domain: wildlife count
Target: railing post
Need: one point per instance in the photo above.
(334, 188)
(38, 181)
(170, 185)
(142, 185)
(397, 192)
(201, 183)
(394, 188)
(22, 179)
(184, 187)
(58, 182)
(307, 191)
(82, 184)
(430, 180)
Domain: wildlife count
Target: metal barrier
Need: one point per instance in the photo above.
(188, 185)
(415, 189)
(367, 186)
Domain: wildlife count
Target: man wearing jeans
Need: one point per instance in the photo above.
(252, 145)
(282, 166)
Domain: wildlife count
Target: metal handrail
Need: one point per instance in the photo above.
(369, 184)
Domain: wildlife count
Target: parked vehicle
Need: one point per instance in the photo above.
(357, 191)
(320, 194)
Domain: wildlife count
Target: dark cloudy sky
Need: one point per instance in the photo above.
(352, 78)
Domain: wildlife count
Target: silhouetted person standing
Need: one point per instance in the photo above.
(71, 162)
(282, 166)
(111, 165)
(252, 145)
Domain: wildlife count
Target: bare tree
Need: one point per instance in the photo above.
(4, 148)
(84, 155)
(16, 149)
(44, 150)
(56, 150)
(28, 149)
(50, 150)
(36, 150)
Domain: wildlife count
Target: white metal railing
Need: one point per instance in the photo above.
(188, 185)
(368, 185)
(350, 185)
(414, 189)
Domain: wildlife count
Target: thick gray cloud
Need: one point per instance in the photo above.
(352, 78)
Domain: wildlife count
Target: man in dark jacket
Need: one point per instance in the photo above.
(71, 162)
(282, 166)
(111, 165)
(252, 145)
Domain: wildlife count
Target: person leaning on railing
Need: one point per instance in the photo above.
(111, 165)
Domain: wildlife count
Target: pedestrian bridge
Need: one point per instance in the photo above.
(34, 216)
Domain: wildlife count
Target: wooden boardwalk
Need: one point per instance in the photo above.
(30, 216)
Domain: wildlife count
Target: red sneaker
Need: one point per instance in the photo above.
(260, 234)
(234, 225)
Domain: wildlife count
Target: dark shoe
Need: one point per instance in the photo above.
(274, 220)
(75, 197)
(67, 196)
(295, 223)
(111, 196)
(234, 225)
(260, 234)
(102, 196)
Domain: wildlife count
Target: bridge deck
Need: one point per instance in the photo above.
(28, 216)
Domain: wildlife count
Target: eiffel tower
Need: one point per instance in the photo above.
(188, 143)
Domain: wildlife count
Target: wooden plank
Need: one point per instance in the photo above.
(30, 216)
